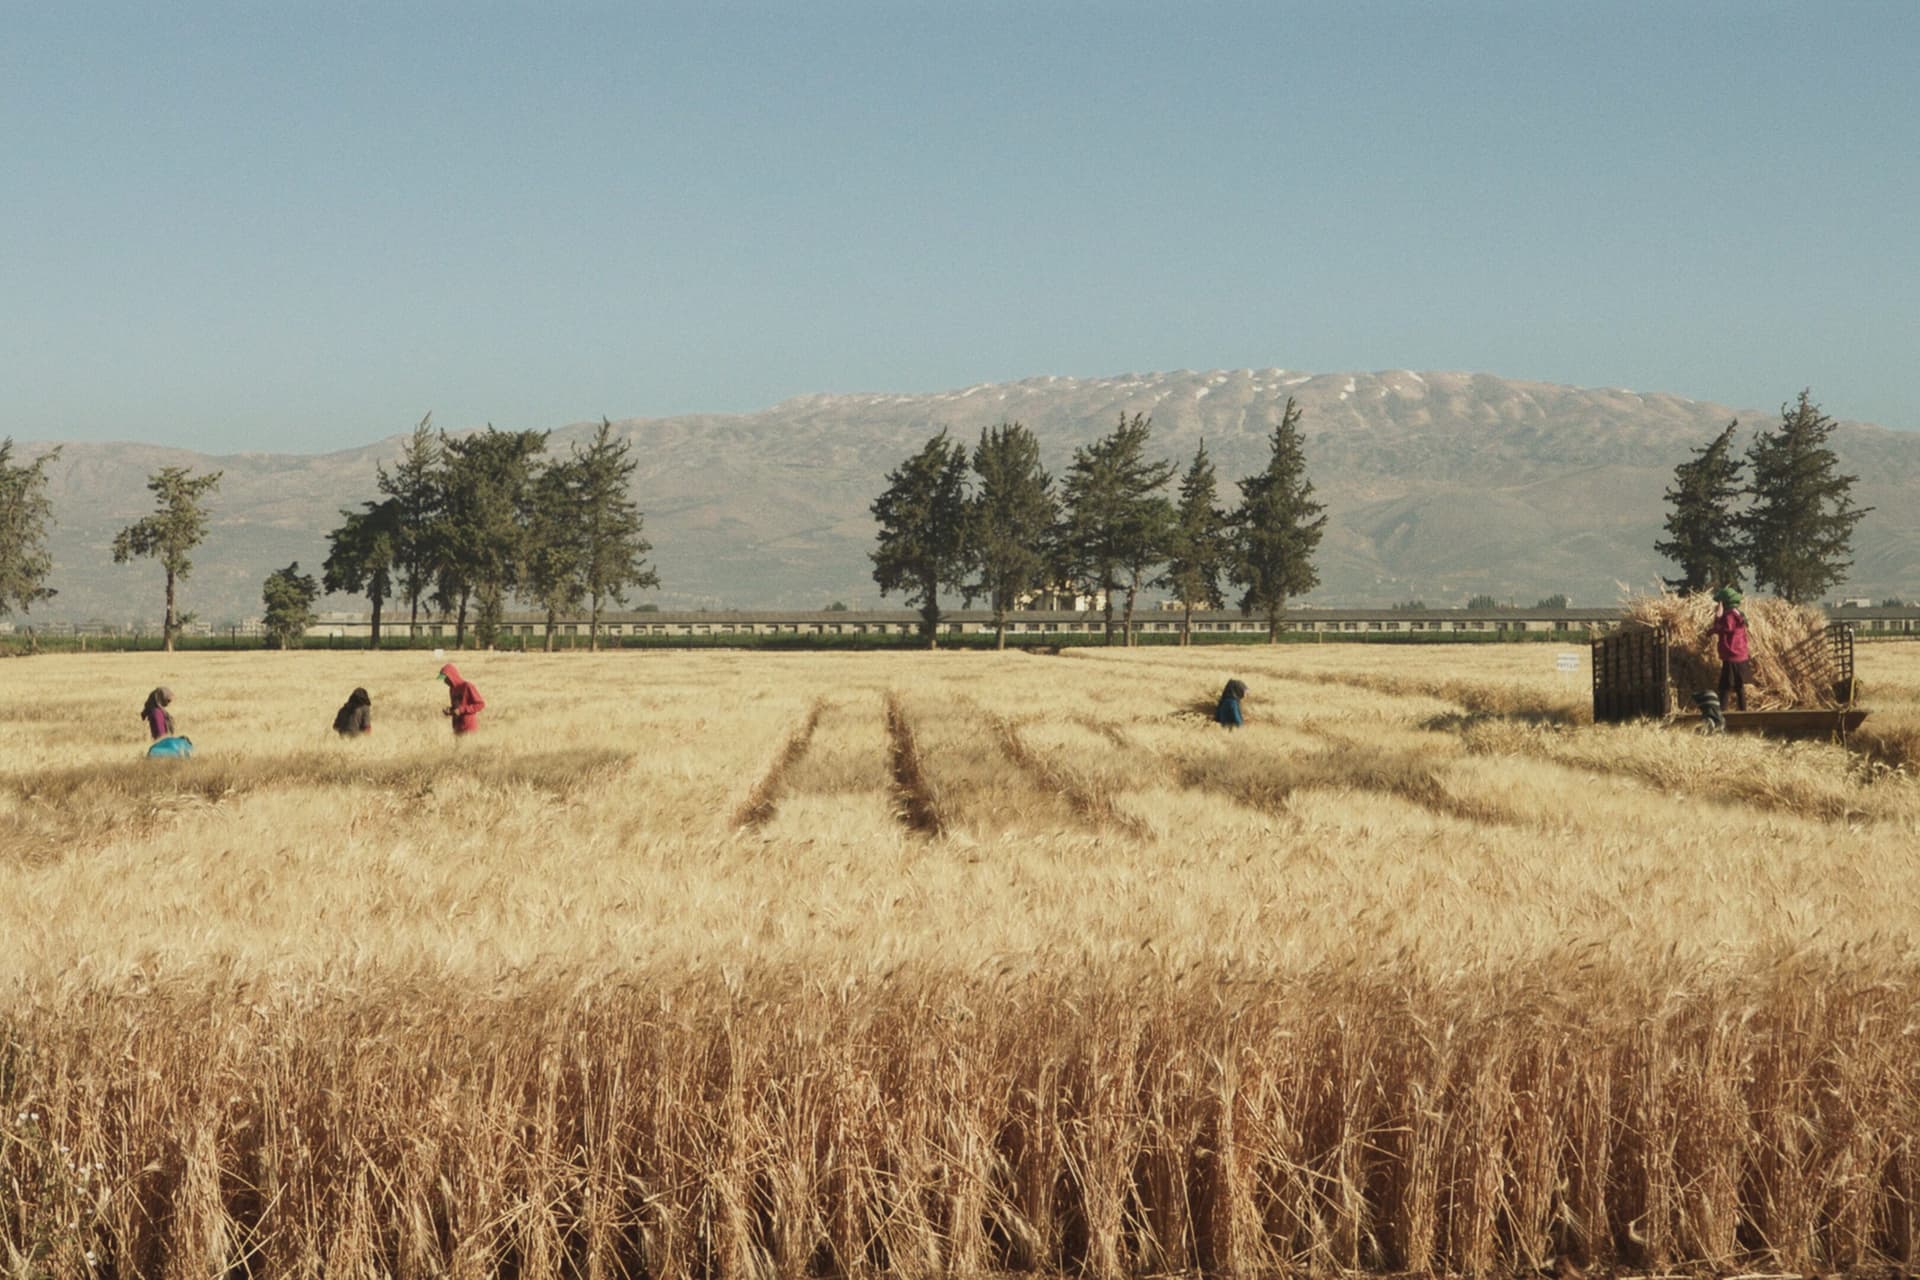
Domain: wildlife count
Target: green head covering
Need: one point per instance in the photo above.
(1729, 596)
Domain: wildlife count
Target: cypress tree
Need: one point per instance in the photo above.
(1013, 516)
(417, 485)
(613, 545)
(1198, 551)
(923, 518)
(1277, 528)
(1798, 533)
(1703, 529)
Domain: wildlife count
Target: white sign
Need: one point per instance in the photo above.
(1567, 662)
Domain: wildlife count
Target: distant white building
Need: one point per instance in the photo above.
(1060, 597)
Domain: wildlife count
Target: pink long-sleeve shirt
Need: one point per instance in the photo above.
(1730, 628)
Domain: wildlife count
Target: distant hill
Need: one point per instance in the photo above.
(1439, 486)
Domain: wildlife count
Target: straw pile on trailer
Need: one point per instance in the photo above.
(1791, 668)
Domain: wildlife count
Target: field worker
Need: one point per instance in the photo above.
(1228, 712)
(355, 717)
(1730, 629)
(159, 719)
(464, 702)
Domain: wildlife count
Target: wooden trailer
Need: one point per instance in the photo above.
(1632, 680)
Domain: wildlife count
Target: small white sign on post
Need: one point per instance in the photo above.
(1568, 662)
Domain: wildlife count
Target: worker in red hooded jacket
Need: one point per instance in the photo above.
(464, 701)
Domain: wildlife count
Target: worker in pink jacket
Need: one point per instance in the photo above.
(464, 702)
(1729, 628)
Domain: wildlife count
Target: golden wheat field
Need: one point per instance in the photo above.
(735, 964)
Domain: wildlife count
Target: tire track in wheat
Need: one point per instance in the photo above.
(1093, 805)
(764, 800)
(918, 807)
(1409, 775)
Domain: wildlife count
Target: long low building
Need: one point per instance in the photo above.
(1027, 625)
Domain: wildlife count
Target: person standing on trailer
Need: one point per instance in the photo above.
(1729, 629)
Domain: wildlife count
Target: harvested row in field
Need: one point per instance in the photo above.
(1093, 804)
(1261, 773)
(761, 802)
(1480, 698)
(919, 808)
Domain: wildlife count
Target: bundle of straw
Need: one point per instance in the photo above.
(1792, 667)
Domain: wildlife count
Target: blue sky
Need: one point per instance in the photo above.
(301, 226)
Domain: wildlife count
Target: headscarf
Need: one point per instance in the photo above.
(160, 697)
(1236, 689)
(343, 718)
(1729, 596)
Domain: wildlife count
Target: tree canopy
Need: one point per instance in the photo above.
(288, 597)
(486, 512)
(922, 543)
(417, 486)
(1013, 516)
(178, 525)
(1198, 550)
(1277, 527)
(362, 554)
(1703, 524)
(1117, 521)
(612, 550)
(1798, 534)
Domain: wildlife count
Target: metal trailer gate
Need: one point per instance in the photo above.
(1630, 676)
(1825, 658)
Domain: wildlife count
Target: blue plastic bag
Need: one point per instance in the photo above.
(176, 747)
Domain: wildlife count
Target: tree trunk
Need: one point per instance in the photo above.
(1133, 590)
(1106, 602)
(550, 625)
(930, 614)
(166, 638)
(460, 621)
(377, 602)
(999, 625)
(413, 619)
(1273, 626)
(593, 626)
(1186, 628)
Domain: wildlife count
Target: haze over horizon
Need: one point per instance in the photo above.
(232, 228)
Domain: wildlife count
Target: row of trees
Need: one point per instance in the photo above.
(1790, 518)
(992, 526)
(464, 523)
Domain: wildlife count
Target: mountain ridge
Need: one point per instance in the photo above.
(1439, 485)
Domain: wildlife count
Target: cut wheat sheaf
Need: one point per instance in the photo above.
(889, 965)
